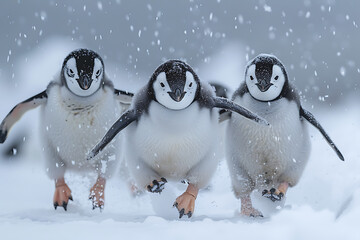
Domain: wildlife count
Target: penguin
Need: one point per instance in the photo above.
(271, 158)
(77, 108)
(171, 132)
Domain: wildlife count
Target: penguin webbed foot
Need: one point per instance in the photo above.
(252, 212)
(62, 196)
(185, 204)
(274, 194)
(247, 208)
(97, 202)
(157, 185)
(97, 195)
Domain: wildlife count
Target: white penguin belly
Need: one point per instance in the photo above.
(73, 128)
(173, 142)
(267, 153)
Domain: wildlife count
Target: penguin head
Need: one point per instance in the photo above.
(265, 77)
(83, 72)
(175, 85)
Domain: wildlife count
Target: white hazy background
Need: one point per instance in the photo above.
(316, 41)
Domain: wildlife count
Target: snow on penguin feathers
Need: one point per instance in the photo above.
(82, 84)
(171, 94)
(271, 84)
(268, 157)
(80, 94)
(173, 134)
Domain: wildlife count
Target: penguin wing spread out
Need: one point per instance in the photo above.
(123, 96)
(311, 119)
(125, 119)
(225, 114)
(227, 107)
(16, 113)
(133, 115)
(231, 106)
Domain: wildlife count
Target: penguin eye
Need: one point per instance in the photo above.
(98, 72)
(276, 78)
(70, 72)
(251, 77)
(162, 84)
(190, 85)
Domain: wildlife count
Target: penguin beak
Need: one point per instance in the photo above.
(177, 95)
(263, 85)
(84, 82)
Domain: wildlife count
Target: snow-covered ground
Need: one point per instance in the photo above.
(311, 210)
(328, 188)
(325, 204)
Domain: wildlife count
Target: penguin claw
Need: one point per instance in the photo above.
(274, 194)
(250, 211)
(64, 205)
(97, 201)
(256, 215)
(157, 185)
(181, 213)
(95, 206)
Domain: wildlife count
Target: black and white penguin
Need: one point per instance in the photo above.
(271, 157)
(172, 131)
(78, 107)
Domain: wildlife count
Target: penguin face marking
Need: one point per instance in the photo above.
(265, 81)
(83, 74)
(176, 94)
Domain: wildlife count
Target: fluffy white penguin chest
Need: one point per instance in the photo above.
(72, 126)
(270, 149)
(172, 142)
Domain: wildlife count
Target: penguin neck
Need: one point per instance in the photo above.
(76, 103)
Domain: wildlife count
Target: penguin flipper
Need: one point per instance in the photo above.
(123, 97)
(311, 119)
(229, 105)
(125, 119)
(16, 113)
